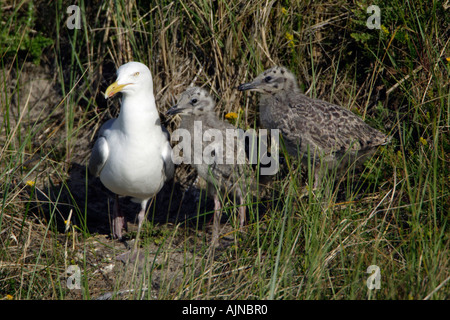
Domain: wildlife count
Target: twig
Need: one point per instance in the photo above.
(437, 288)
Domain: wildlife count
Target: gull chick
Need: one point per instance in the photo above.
(196, 108)
(333, 137)
(132, 155)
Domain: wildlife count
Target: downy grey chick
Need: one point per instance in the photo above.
(196, 108)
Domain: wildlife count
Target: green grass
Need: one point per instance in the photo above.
(313, 245)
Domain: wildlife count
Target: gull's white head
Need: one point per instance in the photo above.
(131, 77)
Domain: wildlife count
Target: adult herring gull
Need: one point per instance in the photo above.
(132, 155)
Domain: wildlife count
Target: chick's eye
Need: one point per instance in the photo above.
(268, 78)
(194, 101)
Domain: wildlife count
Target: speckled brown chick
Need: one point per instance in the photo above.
(332, 136)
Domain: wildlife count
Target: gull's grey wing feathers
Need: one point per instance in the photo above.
(100, 151)
(99, 156)
(169, 167)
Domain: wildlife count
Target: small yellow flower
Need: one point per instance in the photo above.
(448, 59)
(385, 30)
(289, 36)
(30, 183)
(284, 11)
(231, 115)
(423, 141)
(9, 297)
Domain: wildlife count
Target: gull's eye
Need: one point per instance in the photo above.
(268, 79)
(135, 74)
(194, 101)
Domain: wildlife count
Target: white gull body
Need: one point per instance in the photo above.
(132, 155)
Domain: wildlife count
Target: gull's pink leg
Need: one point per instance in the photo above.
(119, 222)
(242, 213)
(217, 217)
(141, 215)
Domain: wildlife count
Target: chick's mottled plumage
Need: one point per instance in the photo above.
(333, 135)
(196, 108)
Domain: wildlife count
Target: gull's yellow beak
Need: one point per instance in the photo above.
(113, 89)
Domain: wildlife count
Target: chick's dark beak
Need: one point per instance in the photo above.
(248, 86)
(174, 110)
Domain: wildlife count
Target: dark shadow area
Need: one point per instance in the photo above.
(88, 203)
